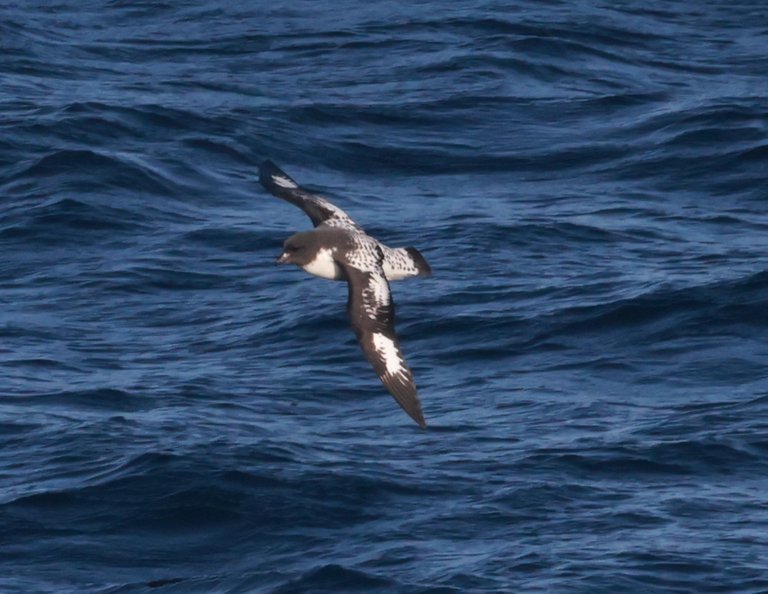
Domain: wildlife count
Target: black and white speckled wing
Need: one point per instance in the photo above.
(372, 314)
(319, 210)
(400, 263)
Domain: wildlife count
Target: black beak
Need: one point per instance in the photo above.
(283, 259)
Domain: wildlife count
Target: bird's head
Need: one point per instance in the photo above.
(296, 250)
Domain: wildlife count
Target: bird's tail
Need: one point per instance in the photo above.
(406, 262)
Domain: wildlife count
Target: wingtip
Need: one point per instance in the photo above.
(275, 179)
(268, 170)
(415, 413)
(266, 165)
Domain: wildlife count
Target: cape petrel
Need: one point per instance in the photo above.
(338, 249)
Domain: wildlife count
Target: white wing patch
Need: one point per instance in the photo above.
(389, 352)
(284, 182)
(381, 293)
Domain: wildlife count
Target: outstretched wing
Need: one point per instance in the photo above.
(372, 314)
(319, 210)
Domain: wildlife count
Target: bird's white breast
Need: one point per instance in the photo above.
(324, 266)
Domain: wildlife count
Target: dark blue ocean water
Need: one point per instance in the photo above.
(589, 182)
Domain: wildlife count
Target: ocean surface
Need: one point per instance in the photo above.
(589, 182)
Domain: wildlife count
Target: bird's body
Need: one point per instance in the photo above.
(324, 266)
(339, 249)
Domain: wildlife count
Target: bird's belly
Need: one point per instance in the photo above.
(324, 266)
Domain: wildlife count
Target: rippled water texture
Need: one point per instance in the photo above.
(588, 182)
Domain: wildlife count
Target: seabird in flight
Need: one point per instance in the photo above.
(338, 249)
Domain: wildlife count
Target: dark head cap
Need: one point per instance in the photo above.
(299, 249)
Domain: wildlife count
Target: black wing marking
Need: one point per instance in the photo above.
(372, 314)
(319, 210)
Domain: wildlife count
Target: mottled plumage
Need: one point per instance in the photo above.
(339, 249)
(399, 263)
